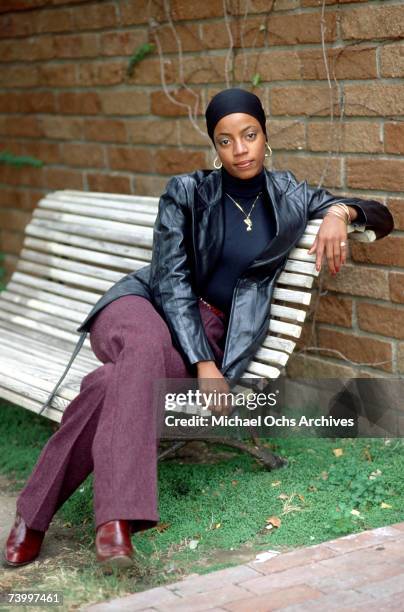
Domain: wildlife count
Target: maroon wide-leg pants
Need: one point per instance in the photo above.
(111, 426)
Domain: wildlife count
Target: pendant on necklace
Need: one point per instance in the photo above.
(248, 223)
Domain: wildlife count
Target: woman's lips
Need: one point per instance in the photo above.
(244, 164)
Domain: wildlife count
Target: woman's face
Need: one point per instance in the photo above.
(240, 144)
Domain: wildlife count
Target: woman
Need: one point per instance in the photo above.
(201, 308)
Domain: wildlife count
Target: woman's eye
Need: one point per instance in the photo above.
(251, 135)
(225, 141)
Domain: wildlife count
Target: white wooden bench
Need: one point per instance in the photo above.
(76, 246)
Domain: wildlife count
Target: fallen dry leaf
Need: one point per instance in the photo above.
(384, 505)
(283, 496)
(275, 483)
(338, 452)
(275, 521)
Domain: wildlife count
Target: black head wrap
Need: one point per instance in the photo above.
(233, 101)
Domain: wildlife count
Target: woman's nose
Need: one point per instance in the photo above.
(239, 147)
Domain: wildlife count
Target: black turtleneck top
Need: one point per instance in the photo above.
(240, 247)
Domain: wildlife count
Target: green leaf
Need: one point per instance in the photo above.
(256, 80)
(19, 160)
(139, 54)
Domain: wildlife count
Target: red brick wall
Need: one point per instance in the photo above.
(66, 98)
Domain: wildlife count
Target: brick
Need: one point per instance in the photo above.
(11, 242)
(388, 252)
(302, 100)
(134, 12)
(86, 103)
(105, 130)
(144, 131)
(382, 320)
(121, 43)
(14, 220)
(311, 168)
(38, 102)
(9, 144)
(383, 174)
(183, 9)
(63, 178)
(295, 558)
(19, 76)
(10, 102)
(204, 69)
(305, 3)
(396, 207)
(284, 5)
(31, 177)
(16, 125)
(48, 152)
(101, 73)
(109, 183)
(400, 357)
(83, 155)
(278, 598)
(58, 75)
(95, 16)
(308, 366)
(148, 72)
(288, 578)
(13, 25)
(162, 105)
(396, 281)
(300, 29)
(359, 349)
(394, 137)
(359, 280)
(372, 99)
(130, 158)
(205, 601)
(150, 185)
(175, 161)
(193, 585)
(125, 103)
(62, 128)
(138, 601)
(334, 310)
(286, 134)
(39, 48)
(9, 265)
(392, 61)
(188, 35)
(59, 20)
(353, 136)
(80, 46)
(189, 135)
(13, 198)
(371, 22)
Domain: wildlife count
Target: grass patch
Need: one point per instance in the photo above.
(216, 513)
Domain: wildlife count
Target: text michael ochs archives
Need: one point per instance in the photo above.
(195, 402)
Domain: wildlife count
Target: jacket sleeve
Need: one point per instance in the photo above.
(371, 214)
(170, 275)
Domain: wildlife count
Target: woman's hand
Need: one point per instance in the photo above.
(331, 241)
(211, 380)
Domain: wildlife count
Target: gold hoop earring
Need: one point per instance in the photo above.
(269, 149)
(214, 163)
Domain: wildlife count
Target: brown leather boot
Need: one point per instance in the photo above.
(23, 544)
(113, 544)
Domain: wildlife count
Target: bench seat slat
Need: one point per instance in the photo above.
(34, 347)
(26, 402)
(103, 246)
(83, 255)
(55, 288)
(62, 312)
(51, 298)
(294, 314)
(63, 275)
(131, 236)
(67, 218)
(111, 213)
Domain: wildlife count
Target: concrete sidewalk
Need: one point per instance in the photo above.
(359, 572)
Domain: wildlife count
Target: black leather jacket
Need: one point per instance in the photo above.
(187, 242)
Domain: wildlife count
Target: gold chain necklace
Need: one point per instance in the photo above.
(247, 219)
